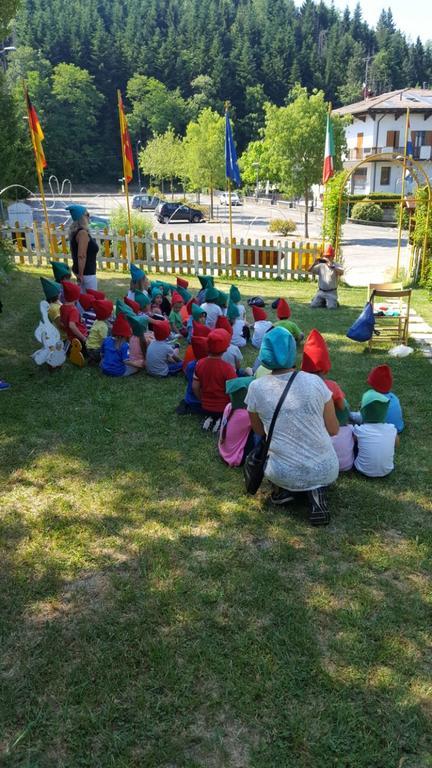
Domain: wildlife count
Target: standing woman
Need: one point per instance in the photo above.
(83, 248)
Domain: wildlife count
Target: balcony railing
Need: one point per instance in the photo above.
(357, 154)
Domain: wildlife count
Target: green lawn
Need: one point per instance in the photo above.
(153, 615)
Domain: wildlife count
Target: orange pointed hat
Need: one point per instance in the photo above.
(316, 358)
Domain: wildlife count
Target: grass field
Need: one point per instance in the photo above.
(153, 615)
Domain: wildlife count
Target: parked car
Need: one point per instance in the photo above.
(166, 212)
(235, 200)
(145, 202)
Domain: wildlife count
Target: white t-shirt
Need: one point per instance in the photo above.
(301, 455)
(213, 312)
(233, 356)
(242, 309)
(260, 328)
(343, 443)
(237, 338)
(376, 447)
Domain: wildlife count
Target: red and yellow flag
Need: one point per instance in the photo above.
(37, 135)
(128, 160)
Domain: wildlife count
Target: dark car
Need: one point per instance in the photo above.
(145, 202)
(167, 212)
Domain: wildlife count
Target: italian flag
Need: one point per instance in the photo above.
(328, 167)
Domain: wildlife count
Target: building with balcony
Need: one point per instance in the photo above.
(378, 128)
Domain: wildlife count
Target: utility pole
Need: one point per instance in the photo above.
(138, 144)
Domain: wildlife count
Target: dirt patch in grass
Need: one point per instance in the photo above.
(226, 742)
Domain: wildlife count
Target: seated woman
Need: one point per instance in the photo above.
(301, 455)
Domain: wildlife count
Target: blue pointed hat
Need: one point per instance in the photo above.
(137, 274)
(76, 211)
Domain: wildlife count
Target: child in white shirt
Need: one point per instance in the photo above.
(261, 326)
(212, 310)
(376, 440)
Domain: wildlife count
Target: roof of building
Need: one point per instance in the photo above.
(417, 99)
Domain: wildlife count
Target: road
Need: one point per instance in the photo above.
(369, 252)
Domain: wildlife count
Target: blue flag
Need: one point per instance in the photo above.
(231, 165)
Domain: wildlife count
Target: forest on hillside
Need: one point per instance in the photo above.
(174, 58)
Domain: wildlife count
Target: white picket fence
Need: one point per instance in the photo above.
(173, 253)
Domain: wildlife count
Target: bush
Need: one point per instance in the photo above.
(141, 224)
(7, 260)
(282, 226)
(367, 212)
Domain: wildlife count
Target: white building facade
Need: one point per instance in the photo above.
(378, 128)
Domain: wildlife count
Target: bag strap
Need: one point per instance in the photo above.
(277, 409)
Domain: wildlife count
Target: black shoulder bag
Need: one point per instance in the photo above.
(254, 465)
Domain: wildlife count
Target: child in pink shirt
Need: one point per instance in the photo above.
(236, 435)
(343, 442)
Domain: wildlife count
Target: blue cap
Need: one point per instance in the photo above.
(76, 211)
(278, 349)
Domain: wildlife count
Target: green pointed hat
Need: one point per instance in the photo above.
(138, 323)
(222, 299)
(233, 311)
(165, 288)
(234, 294)
(237, 389)
(206, 281)
(60, 270)
(142, 299)
(122, 308)
(50, 288)
(156, 292)
(374, 407)
(184, 293)
(211, 294)
(197, 311)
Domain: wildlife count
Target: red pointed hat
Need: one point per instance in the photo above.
(71, 290)
(259, 313)
(176, 298)
(103, 309)
(135, 307)
(161, 329)
(96, 294)
(223, 322)
(182, 283)
(189, 304)
(121, 327)
(200, 347)
(218, 341)
(283, 310)
(316, 358)
(199, 329)
(87, 301)
(329, 250)
(381, 379)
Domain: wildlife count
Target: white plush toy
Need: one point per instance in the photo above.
(52, 352)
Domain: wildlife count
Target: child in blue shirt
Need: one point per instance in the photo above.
(115, 350)
(190, 403)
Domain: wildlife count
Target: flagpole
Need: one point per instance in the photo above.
(131, 240)
(39, 175)
(329, 111)
(402, 192)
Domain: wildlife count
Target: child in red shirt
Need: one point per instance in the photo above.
(210, 377)
(70, 317)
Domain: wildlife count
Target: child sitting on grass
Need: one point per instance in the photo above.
(115, 350)
(156, 310)
(52, 291)
(381, 380)
(316, 359)
(190, 403)
(376, 440)
(139, 281)
(283, 312)
(197, 314)
(175, 318)
(162, 358)
(211, 307)
(210, 377)
(138, 342)
(88, 315)
(61, 272)
(70, 317)
(233, 356)
(99, 330)
(240, 329)
(236, 437)
(261, 325)
(343, 442)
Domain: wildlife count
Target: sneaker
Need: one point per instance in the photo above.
(207, 423)
(318, 508)
(4, 384)
(216, 425)
(281, 496)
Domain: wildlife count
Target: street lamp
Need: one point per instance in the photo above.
(138, 144)
(256, 165)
